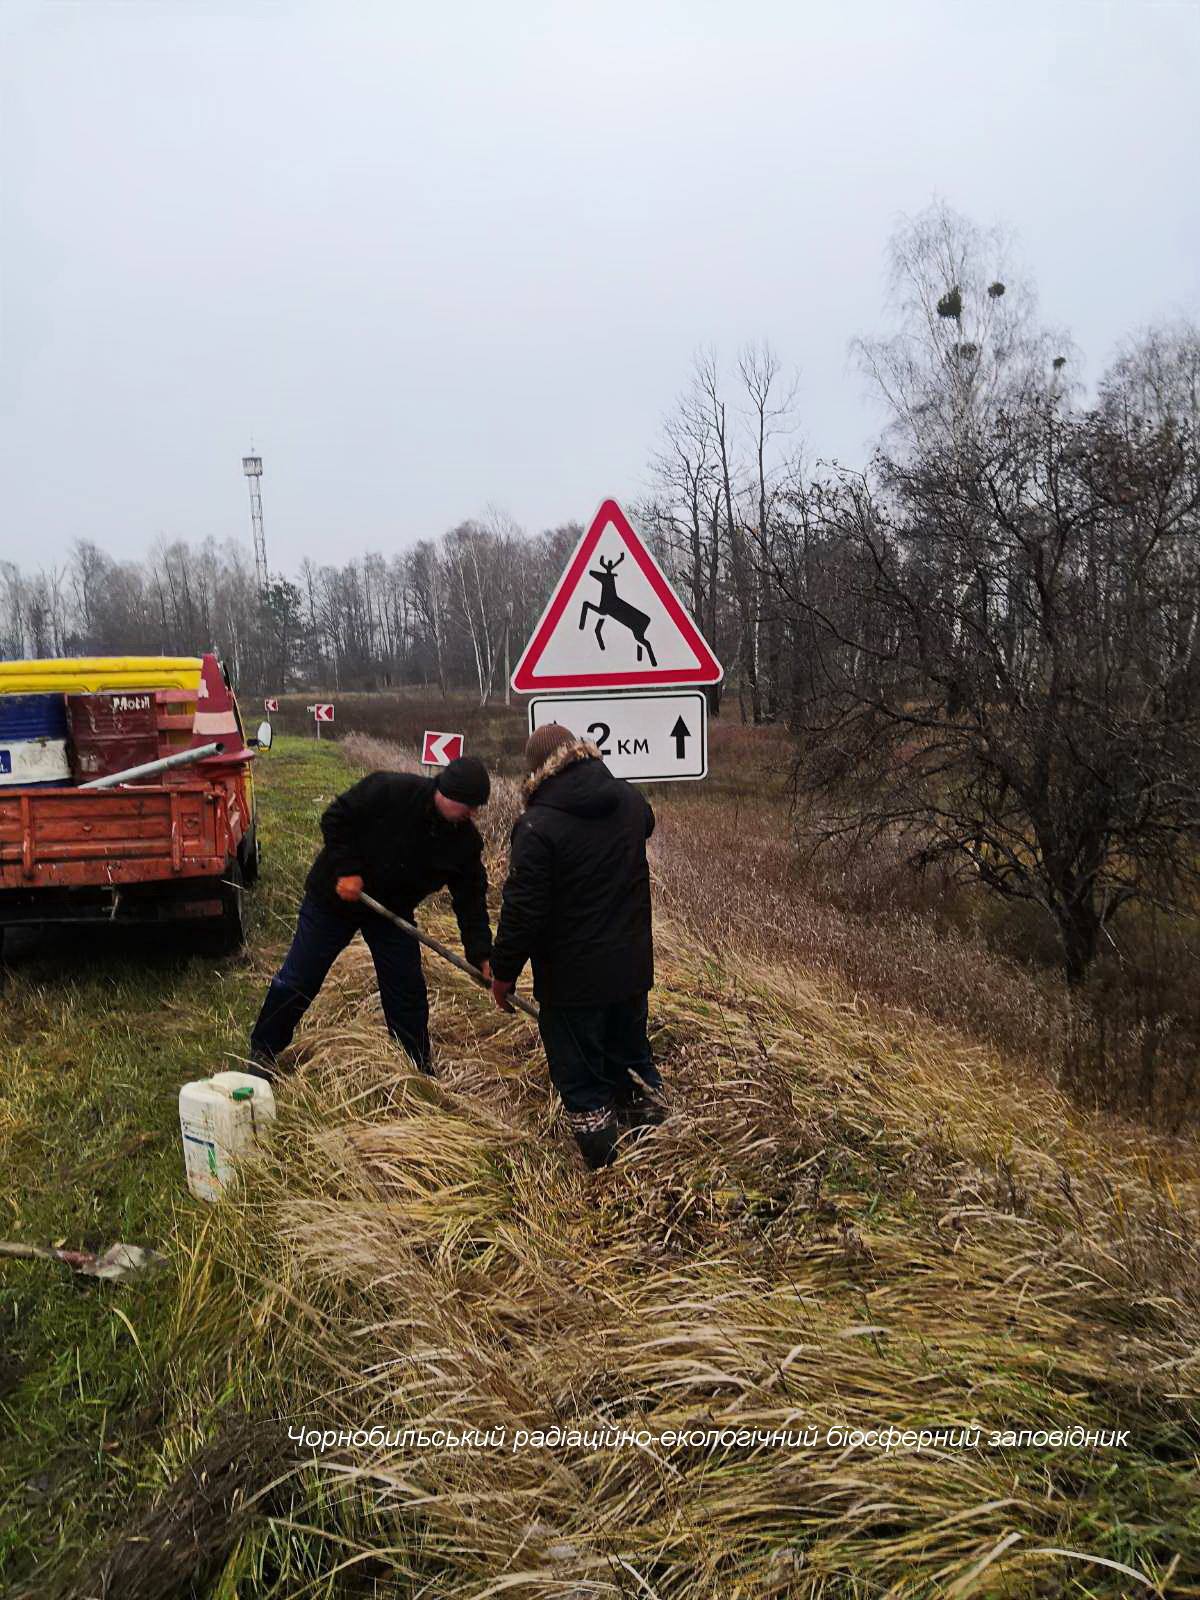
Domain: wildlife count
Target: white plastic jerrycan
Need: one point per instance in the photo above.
(221, 1118)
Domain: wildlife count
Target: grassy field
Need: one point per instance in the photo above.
(854, 1218)
(100, 1030)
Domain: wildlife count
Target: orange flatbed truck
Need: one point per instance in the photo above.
(175, 845)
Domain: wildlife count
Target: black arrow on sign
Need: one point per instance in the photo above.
(680, 732)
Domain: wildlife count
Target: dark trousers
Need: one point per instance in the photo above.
(591, 1052)
(321, 936)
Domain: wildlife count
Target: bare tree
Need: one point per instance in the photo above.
(1156, 376)
(684, 511)
(1015, 690)
(771, 408)
(427, 584)
(968, 342)
(480, 559)
(741, 568)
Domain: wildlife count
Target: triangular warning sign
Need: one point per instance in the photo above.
(614, 621)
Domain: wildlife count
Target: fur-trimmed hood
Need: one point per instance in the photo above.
(557, 761)
(574, 779)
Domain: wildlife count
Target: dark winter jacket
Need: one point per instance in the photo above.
(388, 831)
(577, 899)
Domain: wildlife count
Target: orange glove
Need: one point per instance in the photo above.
(501, 992)
(349, 888)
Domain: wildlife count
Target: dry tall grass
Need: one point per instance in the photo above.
(728, 869)
(845, 1221)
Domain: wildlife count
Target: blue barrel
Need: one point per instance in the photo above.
(32, 716)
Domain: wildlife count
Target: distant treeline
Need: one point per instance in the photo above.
(445, 613)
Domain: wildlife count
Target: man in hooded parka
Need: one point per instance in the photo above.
(576, 905)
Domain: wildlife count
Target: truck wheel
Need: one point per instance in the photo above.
(251, 856)
(230, 932)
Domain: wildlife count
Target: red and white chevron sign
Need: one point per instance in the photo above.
(322, 713)
(440, 749)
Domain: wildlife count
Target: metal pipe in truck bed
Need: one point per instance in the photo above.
(183, 758)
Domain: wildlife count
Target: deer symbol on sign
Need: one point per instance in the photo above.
(611, 605)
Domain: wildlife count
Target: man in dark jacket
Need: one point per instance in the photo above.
(576, 904)
(399, 838)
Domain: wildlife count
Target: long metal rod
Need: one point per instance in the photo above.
(440, 949)
(182, 758)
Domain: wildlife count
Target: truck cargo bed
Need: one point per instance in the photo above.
(70, 838)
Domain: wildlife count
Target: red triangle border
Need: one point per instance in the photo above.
(526, 680)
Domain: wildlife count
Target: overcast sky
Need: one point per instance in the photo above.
(431, 258)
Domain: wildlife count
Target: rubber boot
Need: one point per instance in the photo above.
(262, 1065)
(639, 1112)
(596, 1133)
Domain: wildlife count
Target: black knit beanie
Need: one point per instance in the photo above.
(465, 780)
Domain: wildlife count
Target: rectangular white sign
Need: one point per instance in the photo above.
(647, 738)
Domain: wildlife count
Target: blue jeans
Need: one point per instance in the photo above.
(321, 936)
(591, 1052)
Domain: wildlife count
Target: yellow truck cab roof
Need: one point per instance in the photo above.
(93, 674)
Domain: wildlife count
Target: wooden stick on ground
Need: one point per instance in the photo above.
(440, 949)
